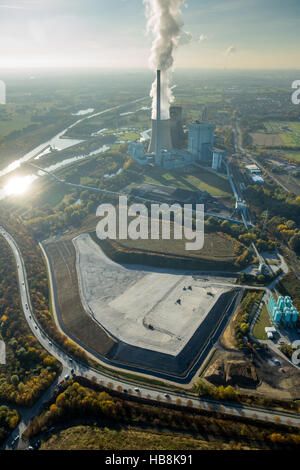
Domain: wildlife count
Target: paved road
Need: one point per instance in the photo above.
(153, 394)
(238, 136)
(293, 262)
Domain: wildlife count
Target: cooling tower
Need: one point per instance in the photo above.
(164, 141)
(161, 129)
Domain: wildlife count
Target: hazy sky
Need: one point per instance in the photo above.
(111, 33)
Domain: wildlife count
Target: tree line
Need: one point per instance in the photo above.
(29, 369)
(80, 401)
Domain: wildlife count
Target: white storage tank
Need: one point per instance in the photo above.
(280, 302)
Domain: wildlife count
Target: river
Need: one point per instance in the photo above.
(57, 140)
(19, 185)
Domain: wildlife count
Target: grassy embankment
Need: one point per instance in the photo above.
(200, 180)
(290, 285)
(262, 322)
(217, 254)
(95, 438)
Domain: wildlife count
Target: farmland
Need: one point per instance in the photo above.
(293, 155)
(277, 134)
(266, 140)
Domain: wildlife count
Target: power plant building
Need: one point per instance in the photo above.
(201, 140)
(177, 134)
(137, 153)
(176, 159)
(168, 137)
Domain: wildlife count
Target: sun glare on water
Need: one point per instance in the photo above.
(17, 186)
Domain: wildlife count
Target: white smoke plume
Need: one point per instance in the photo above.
(230, 50)
(165, 23)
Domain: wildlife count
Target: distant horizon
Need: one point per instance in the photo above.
(145, 69)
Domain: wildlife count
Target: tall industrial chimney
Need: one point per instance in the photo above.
(161, 129)
(158, 115)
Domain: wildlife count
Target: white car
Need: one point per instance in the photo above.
(15, 440)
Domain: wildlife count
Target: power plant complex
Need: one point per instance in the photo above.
(168, 139)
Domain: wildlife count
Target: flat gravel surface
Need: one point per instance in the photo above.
(139, 305)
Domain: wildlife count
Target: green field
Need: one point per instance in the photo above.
(262, 322)
(216, 247)
(129, 136)
(288, 131)
(95, 438)
(15, 117)
(200, 180)
(292, 155)
(218, 253)
(52, 194)
(16, 124)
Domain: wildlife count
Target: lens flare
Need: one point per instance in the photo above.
(17, 186)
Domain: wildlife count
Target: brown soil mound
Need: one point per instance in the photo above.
(242, 373)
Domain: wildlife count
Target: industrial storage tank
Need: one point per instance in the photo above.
(295, 315)
(272, 303)
(287, 314)
(281, 302)
(288, 301)
(278, 316)
(283, 310)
